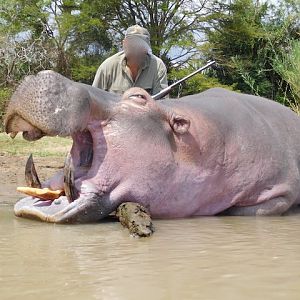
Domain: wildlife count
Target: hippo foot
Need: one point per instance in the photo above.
(136, 218)
(272, 207)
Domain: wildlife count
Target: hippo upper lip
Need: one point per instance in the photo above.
(16, 123)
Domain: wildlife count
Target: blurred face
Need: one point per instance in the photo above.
(135, 50)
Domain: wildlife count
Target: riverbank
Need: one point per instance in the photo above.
(48, 153)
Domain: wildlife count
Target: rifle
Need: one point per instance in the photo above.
(167, 90)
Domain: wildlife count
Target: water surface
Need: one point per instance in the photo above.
(200, 258)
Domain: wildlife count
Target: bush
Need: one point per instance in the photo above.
(288, 66)
(5, 94)
(195, 84)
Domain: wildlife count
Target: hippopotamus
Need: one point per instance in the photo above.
(216, 152)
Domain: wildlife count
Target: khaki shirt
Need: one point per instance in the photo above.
(114, 76)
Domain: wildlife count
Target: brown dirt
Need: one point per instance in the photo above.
(12, 170)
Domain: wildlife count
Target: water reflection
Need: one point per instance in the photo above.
(201, 258)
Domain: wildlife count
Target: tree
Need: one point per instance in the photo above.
(175, 26)
(196, 84)
(38, 35)
(245, 40)
(59, 26)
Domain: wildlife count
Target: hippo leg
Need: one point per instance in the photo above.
(272, 207)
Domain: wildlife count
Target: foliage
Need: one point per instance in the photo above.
(288, 66)
(196, 84)
(19, 58)
(173, 25)
(57, 31)
(245, 40)
(5, 94)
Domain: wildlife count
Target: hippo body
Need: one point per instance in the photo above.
(245, 152)
(210, 153)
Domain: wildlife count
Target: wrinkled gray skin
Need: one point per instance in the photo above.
(215, 152)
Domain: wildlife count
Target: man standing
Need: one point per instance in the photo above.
(135, 66)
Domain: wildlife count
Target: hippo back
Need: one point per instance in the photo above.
(260, 140)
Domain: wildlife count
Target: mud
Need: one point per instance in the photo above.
(13, 168)
(136, 218)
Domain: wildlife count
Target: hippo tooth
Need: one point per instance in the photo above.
(31, 177)
(69, 187)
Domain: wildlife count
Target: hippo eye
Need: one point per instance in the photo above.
(139, 98)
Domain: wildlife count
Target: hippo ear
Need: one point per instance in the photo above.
(179, 124)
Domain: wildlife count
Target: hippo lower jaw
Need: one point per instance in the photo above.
(83, 201)
(82, 210)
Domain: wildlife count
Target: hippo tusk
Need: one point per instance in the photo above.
(31, 177)
(42, 194)
(69, 186)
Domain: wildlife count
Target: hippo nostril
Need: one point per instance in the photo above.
(33, 135)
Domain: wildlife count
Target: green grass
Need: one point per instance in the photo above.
(47, 146)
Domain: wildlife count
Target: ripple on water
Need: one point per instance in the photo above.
(199, 258)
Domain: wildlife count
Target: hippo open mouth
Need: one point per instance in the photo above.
(80, 166)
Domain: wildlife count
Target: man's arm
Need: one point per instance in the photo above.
(161, 80)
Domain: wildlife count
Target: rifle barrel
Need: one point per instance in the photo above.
(167, 90)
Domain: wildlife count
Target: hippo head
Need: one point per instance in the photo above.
(124, 149)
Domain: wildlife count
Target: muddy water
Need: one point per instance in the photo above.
(201, 258)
